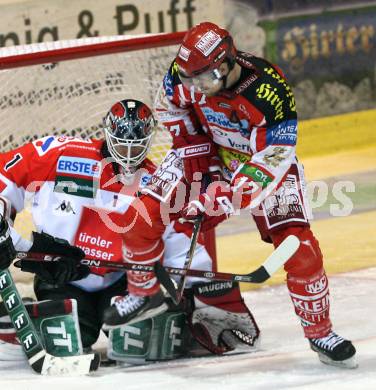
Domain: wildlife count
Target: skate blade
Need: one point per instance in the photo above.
(143, 316)
(350, 363)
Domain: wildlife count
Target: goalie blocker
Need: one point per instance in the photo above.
(212, 318)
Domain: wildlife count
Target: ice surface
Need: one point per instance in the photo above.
(284, 360)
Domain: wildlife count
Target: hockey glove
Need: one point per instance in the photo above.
(66, 269)
(7, 251)
(220, 321)
(249, 181)
(215, 205)
(198, 154)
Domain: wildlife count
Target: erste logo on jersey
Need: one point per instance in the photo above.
(78, 166)
(45, 144)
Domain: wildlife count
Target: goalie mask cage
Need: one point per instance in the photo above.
(67, 87)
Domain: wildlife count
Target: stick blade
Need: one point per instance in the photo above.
(282, 253)
(275, 261)
(165, 280)
(67, 365)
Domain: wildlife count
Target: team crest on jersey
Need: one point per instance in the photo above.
(45, 144)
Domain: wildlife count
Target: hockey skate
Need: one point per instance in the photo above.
(334, 350)
(132, 308)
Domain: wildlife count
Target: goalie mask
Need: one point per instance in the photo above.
(129, 127)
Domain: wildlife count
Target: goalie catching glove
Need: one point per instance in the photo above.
(220, 320)
(66, 269)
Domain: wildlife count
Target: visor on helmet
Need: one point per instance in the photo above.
(204, 82)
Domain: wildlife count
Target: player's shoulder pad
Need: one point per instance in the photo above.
(171, 79)
(50, 143)
(258, 72)
(267, 89)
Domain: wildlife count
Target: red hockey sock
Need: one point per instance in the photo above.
(142, 283)
(307, 282)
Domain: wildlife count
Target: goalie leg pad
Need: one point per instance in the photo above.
(90, 321)
(56, 323)
(220, 320)
(163, 337)
(58, 326)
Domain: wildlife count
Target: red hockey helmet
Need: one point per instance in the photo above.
(204, 48)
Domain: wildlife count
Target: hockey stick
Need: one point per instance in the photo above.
(38, 358)
(278, 258)
(176, 293)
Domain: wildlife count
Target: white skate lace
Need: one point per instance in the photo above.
(329, 342)
(128, 304)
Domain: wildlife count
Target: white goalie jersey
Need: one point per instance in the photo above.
(75, 194)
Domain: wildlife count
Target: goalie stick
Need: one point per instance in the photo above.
(279, 257)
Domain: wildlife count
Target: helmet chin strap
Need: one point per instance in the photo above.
(231, 64)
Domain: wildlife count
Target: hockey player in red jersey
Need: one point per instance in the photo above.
(229, 109)
(80, 190)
